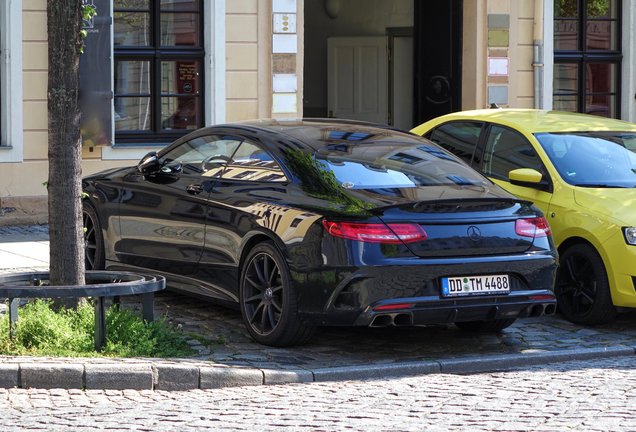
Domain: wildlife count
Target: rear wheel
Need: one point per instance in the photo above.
(582, 289)
(93, 239)
(269, 302)
(486, 326)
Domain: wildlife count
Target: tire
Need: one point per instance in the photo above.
(582, 289)
(268, 301)
(93, 239)
(493, 326)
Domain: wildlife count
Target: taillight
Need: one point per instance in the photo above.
(376, 232)
(541, 297)
(394, 306)
(533, 227)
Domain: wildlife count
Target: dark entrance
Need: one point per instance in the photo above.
(438, 47)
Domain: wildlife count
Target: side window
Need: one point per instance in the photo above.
(205, 155)
(459, 138)
(251, 163)
(507, 150)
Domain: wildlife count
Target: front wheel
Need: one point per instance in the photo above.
(93, 239)
(268, 301)
(493, 326)
(582, 289)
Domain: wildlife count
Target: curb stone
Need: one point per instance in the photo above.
(118, 376)
(176, 377)
(51, 375)
(347, 373)
(279, 376)
(150, 375)
(227, 376)
(9, 375)
(511, 361)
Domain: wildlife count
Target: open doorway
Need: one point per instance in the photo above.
(375, 60)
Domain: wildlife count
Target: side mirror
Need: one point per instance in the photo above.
(149, 163)
(528, 177)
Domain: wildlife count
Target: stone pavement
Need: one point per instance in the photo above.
(592, 396)
(228, 357)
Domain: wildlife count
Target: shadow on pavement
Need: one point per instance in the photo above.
(229, 343)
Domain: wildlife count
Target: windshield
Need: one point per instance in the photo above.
(399, 166)
(593, 159)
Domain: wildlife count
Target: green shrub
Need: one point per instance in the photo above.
(43, 331)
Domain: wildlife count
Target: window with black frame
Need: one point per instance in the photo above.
(158, 85)
(587, 56)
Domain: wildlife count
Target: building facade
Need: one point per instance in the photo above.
(156, 69)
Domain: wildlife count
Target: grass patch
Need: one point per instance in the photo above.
(42, 330)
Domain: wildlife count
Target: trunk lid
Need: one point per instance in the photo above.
(464, 227)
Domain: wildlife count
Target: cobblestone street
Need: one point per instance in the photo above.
(579, 396)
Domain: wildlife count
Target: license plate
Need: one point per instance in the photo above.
(474, 285)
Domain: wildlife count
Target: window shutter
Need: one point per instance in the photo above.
(96, 93)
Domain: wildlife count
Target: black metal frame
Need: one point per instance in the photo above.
(155, 54)
(583, 56)
(100, 285)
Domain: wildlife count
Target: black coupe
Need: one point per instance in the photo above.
(311, 223)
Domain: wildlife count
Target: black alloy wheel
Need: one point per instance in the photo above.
(493, 326)
(93, 240)
(268, 301)
(582, 289)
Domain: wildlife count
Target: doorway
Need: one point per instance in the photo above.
(401, 95)
(400, 82)
(437, 68)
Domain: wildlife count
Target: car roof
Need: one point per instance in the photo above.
(532, 120)
(320, 133)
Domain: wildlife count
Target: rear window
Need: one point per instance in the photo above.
(386, 165)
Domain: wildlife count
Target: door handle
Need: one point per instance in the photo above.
(194, 189)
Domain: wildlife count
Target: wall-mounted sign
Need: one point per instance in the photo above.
(498, 66)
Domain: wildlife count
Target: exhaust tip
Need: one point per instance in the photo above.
(550, 309)
(381, 321)
(403, 320)
(537, 310)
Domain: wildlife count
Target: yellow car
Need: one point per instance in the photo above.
(581, 171)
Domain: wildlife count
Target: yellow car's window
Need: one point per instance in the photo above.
(507, 150)
(593, 159)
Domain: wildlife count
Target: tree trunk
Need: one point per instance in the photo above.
(66, 232)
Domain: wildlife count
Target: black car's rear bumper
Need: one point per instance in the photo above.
(359, 291)
(435, 311)
(427, 311)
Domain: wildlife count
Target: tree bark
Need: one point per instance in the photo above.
(66, 232)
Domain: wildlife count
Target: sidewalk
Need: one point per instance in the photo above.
(24, 248)
(228, 357)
